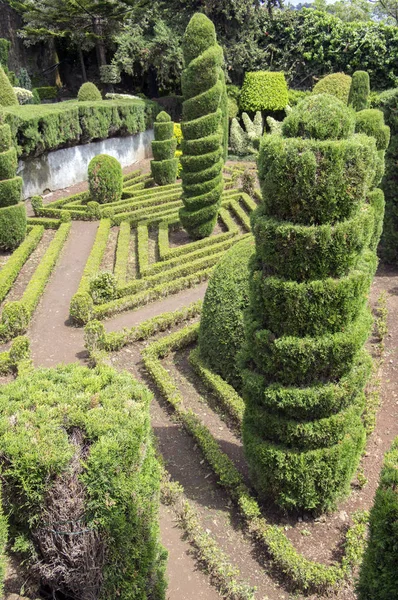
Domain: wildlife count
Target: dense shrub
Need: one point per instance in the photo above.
(204, 127)
(221, 333)
(110, 74)
(23, 96)
(103, 288)
(294, 96)
(164, 166)
(337, 84)
(47, 92)
(24, 80)
(76, 448)
(105, 179)
(378, 577)
(7, 94)
(12, 211)
(359, 91)
(246, 141)
(263, 90)
(88, 92)
(304, 368)
(387, 102)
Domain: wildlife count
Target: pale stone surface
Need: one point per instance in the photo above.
(62, 168)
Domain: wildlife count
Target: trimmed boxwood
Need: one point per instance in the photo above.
(336, 84)
(309, 181)
(7, 94)
(221, 333)
(303, 365)
(117, 472)
(88, 92)
(263, 90)
(105, 179)
(378, 576)
(371, 122)
(358, 97)
(10, 191)
(164, 166)
(204, 126)
(12, 226)
(8, 163)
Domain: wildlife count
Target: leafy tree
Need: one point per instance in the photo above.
(386, 10)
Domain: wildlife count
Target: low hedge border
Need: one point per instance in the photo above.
(142, 250)
(16, 315)
(95, 258)
(15, 360)
(46, 223)
(243, 217)
(225, 576)
(18, 258)
(122, 253)
(303, 573)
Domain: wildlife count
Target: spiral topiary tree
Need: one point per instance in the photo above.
(204, 125)
(105, 179)
(359, 91)
(305, 367)
(12, 210)
(164, 166)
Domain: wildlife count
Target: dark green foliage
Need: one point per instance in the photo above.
(89, 92)
(205, 117)
(308, 181)
(221, 333)
(387, 102)
(12, 226)
(7, 94)
(5, 46)
(337, 84)
(105, 179)
(263, 90)
(378, 576)
(164, 166)
(371, 122)
(24, 79)
(359, 91)
(48, 92)
(304, 368)
(321, 118)
(295, 96)
(119, 476)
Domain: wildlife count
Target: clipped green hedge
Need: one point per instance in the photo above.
(46, 92)
(45, 127)
(378, 576)
(12, 226)
(303, 365)
(7, 94)
(336, 84)
(117, 481)
(358, 97)
(105, 179)
(263, 90)
(221, 333)
(205, 118)
(88, 92)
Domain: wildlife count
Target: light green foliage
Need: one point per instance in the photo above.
(204, 127)
(337, 84)
(110, 74)
(103, 288)
(23, 96)
(89, 92)
(378, 576)
(7, 94)
(359, 91)
(245, 142)
(105, 179)
(12, 210)
(165, 164)
(304, 369)
(221, 331)
(119, 476)
(320, 117)
(263, 90)
(295, 96)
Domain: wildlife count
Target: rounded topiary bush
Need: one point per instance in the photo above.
(81, 481)
(88, 92)
(320, 117)
(221, 333)
(337, 84)
(263, 90)
(105, 179)
(7, 94)
(378, 576)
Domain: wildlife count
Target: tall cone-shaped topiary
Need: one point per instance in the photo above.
(164, 166)
(7, 94)
(12, 210)
(316, 233)
(359, 91)
(203, 127)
